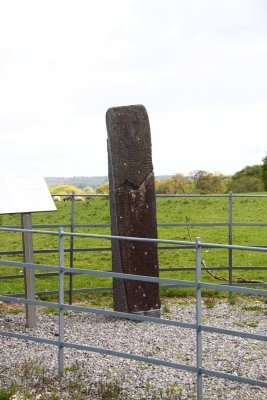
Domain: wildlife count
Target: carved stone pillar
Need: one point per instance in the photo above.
(132, 208)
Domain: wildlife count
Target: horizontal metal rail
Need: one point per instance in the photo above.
(163, 224)
(165, 195)
(108, 289)
(89, 249)
(210, 195)
(233, 378)
(170, 269)
(139, 239)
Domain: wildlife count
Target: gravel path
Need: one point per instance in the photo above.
(33, 367)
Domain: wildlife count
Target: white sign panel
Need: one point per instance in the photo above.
(24, 193)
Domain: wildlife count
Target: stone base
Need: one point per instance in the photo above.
(150, 313)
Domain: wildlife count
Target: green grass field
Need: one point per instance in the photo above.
(169, 210)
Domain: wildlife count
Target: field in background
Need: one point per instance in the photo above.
(169, 210)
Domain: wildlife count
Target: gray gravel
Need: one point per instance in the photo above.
(91, 376)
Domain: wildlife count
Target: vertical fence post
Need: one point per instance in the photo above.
(71, 246)
(198, 321)
(61, 304)
(230, 241)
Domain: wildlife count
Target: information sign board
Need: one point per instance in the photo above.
(24, 193)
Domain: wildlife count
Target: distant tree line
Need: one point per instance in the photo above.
(80, 182)
(249, 179)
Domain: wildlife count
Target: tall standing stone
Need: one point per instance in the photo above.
(132, 208)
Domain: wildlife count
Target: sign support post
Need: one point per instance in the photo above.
(25, 193)
(26, 222)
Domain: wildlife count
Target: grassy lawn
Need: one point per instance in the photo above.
(169, 210)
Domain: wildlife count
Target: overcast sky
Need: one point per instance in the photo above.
(199, 68)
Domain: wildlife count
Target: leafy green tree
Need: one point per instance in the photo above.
(249, 179)
(103, 189)
(249, 170)
(88, 190)
(264, 172)
(206, 182)
(177, 184)
(65, 189)
(162, 186)
(181, 184)
(246, 184)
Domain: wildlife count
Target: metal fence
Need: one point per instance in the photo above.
(198, 326)
(72, 226)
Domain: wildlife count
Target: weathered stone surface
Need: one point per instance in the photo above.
(132, 208)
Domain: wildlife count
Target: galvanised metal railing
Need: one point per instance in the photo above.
(198, 327)
(72, 250)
